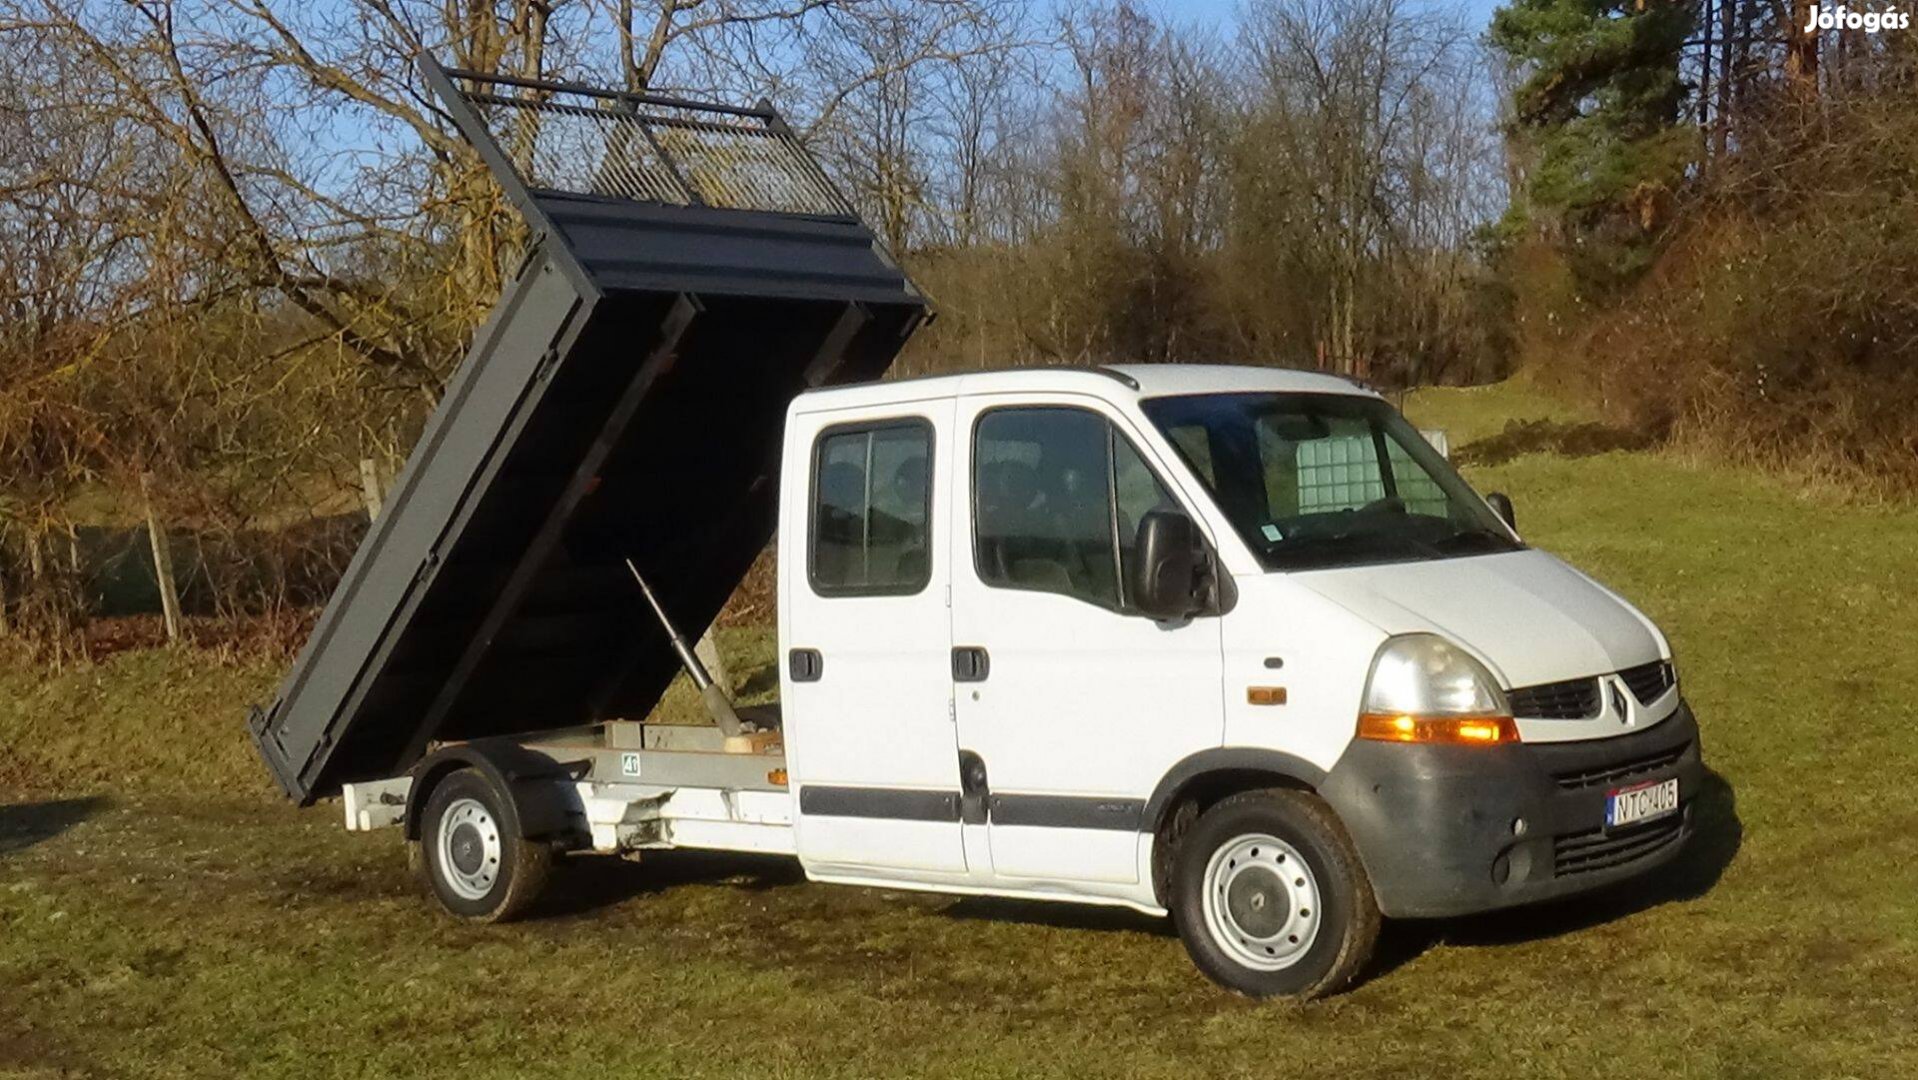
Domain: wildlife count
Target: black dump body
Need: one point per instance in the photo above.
(690, 271)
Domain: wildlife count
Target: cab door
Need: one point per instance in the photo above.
(866, 679)
(1074, 703)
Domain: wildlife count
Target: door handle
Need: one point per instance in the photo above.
(970, 663)
(805, 665)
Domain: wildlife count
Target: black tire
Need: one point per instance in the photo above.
(1328, 946)
(496, 874)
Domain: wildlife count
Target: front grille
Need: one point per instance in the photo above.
(1596, 849)
(1573, 699)
(1648, 681)
(1577, 699)
(1621, 770)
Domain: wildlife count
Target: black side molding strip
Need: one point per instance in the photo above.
(1067, 812)
(907, 804)
(901, 803)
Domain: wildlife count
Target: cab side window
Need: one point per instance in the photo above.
(1057, 499)
(872, 510)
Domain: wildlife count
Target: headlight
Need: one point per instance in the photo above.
(1423, 688)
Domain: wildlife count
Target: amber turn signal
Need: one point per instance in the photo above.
(1460, 730)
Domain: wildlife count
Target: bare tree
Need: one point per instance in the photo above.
(1365, 152)
(243, 245)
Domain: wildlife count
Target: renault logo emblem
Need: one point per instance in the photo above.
(1618, 705)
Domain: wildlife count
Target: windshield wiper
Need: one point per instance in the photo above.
(1364, 545)
(1480, 538)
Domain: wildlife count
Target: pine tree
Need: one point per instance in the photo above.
(1600, 114)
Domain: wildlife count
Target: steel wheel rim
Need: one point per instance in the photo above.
(469, 849)
(1261, 902)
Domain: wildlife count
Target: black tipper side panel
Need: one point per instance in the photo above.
(692, 271)
(668, 249)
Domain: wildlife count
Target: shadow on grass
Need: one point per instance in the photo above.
(25, 824)
(1062, 916)
(1552, 437)
(763, 679)
(591, 883)
(1716, 837)
(587, 883)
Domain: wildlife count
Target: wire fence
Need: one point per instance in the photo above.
(61, 586)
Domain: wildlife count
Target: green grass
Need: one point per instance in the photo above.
(165, 720)
(751, 654)
(196, 926)
(1471, 413)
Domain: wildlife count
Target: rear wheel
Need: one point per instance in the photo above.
(1270, 898)
(472, 855)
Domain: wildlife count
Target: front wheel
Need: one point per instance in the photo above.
(1270, 898)
(472, 855)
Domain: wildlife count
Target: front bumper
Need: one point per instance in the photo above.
(1435, 825)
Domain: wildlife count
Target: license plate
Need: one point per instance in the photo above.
(1641, 802)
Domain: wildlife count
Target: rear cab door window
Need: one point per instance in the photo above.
(872, 510)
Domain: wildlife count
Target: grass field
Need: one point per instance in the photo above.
(161, 914)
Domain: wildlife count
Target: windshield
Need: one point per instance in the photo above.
(1319, 480)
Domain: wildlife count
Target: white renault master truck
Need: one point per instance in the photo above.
(1233, 645)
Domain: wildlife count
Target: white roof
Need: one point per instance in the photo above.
(1153, 380)
(1159, 379)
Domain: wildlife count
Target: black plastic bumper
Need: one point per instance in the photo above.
(1438, 826)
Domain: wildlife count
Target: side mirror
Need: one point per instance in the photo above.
(1167, 576)
(1501, 505)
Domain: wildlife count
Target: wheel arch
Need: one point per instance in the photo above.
(530, 784)
(1204, 778)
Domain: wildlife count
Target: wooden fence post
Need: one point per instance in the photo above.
(162, 564)
(370, 487)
